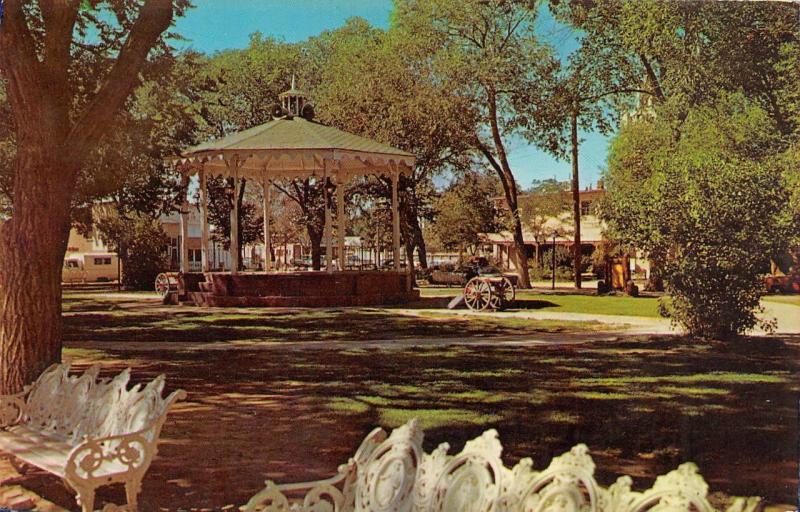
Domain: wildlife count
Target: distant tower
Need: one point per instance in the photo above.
(293, 100)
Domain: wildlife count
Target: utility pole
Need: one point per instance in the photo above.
(576, 199)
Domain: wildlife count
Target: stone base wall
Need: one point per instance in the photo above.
(296, 289)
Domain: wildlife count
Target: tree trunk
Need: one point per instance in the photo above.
(315, 235)
(410, 263)
(510, 189)
(417, 239)
(576, 202)
(32, 247)
(521, 258)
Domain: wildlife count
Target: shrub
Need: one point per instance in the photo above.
(140, 243)
(709, 208)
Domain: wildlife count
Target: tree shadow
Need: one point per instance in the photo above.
(642, 406)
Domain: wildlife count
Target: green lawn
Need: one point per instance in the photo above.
(108, 317)
(571, 303)
(784, 299)
(643, 406)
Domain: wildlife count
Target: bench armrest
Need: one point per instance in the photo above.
(12, 408)
(273, 497)
(100, 460)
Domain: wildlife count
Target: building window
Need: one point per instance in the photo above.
(586, 207)
(102, 261)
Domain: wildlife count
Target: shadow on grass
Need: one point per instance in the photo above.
(643, 406)
(165, 325)
(534, 304)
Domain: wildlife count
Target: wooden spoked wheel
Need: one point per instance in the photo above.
(504, 289)
(478, 294)
(162, 284)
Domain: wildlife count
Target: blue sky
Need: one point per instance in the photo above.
(215, 25)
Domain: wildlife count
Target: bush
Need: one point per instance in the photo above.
(140, 243)
(709, 209)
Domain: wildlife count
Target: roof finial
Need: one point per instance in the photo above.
(294, 100)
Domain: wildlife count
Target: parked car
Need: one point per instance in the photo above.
(302, 263)
(389, 264)
(782, 284)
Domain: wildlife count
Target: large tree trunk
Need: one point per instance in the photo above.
(417, 240)
(577, 255)
(53, 144)
(503, 170)
(410, 262)
(32, 247)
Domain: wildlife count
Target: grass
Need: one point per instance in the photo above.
(106, 317)
(571, 303)
(642, 405)
(794, 300)
(719, 377)
(651, 403)
(436, 418)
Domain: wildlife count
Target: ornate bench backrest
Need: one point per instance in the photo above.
(57, 401)
(385, 482)
(382, 477)
(683, 489)
(473, 480)
(568, 484)
(75, 407)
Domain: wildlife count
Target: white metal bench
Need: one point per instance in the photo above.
(392, 474)
(89, 432)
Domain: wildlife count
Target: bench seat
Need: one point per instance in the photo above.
(47, 452)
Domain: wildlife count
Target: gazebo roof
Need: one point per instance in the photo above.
(293, 146)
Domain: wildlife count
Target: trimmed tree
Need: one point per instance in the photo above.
(710, 208)
(68, 71)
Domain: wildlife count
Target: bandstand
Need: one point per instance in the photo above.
(292, 146)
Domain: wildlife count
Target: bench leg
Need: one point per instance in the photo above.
(86, 500)
(132, 489)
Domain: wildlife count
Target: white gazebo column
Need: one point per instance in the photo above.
(395, 220)
(184, 263)
(204, 220)
(328, 221)
(341, 220)
(266, 195)
(234, 245)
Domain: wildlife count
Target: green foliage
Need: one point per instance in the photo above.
(381, 85)
(244, 84)
(220, 205)
(544, 201)
(709, 206)
(690, 51)
(464, 211)
(139, 241)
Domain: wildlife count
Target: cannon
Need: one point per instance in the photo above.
(489, 292)
(166, 282)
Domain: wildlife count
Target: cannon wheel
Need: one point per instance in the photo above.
(478, 294)
(163, 284)
(505, 289)
(502, 293)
